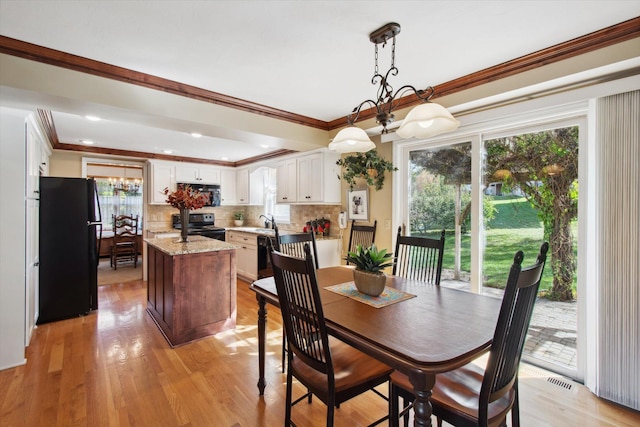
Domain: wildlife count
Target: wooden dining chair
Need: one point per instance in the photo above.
(470, 395)
(330, 369)
(419, 258)
(293, 244)
(125, 240)
(361, 235)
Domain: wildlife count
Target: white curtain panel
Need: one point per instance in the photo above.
(618, 142)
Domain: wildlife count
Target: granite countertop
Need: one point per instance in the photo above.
(253, 230)
(164, 231)
(270, 232)
(196, 244)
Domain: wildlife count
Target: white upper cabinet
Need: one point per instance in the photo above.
(161, 176)
(197, 174)
(315, 179)
(309, 178)
(37, 159)
(228, 187)
(286, 181)
(242, 186)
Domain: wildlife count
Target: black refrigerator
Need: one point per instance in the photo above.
(70, 234)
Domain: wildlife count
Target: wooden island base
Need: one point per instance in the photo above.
(191, 288)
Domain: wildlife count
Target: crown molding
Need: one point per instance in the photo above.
(614, 34)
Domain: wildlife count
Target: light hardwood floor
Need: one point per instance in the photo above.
(114, 368)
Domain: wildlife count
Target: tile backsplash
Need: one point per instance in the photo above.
(159, 216)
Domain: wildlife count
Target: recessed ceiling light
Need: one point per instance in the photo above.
(264, 146)
(167, 151)
(86, 141)
(92, 118)
(196, 134)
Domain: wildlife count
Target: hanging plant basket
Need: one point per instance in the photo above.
(368, 166)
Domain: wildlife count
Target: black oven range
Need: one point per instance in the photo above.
(201, 225)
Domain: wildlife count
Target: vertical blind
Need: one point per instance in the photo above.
(618, 142)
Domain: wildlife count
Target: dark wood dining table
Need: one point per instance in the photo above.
(439, 330)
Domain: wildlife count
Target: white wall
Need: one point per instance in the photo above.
(12, 236)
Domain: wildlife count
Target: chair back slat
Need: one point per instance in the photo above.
(301, 308)
(361, 235)
(419, 258)
(293, 244)
(511, 329)
(125, 226)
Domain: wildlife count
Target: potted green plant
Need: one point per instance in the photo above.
(368, 166)
(370, 262)
(238, 218)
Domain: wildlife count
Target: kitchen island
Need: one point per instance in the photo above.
(191, 287)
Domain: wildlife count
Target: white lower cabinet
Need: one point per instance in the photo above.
(329, 252)
(246, 255)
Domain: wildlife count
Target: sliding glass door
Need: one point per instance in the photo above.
(495, 193)
(440, 199)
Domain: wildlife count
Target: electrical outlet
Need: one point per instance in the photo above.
(387, 224)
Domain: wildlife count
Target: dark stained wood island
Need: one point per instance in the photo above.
(191, 287)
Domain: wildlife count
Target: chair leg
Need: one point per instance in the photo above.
(515, 409)
(405, 403)
(284, 350)
(331, 404)
(393, 406)
(287, 416)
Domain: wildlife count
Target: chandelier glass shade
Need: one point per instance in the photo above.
(351, 140)
(425, 120)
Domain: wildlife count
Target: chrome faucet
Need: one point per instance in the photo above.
(268, 221)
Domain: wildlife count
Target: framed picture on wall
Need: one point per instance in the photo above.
(358, 203)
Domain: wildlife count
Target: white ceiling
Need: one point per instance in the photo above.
(311, 58)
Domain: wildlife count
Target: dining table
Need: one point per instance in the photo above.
(433, 329)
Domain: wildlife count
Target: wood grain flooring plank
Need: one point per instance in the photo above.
(114, 368)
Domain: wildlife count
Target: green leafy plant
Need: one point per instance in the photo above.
(368, 166)
(238, 216)
(370, 259)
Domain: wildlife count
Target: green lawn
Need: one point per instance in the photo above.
(515, 227)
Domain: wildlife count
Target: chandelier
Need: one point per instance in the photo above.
(126, 186)
(424, 121)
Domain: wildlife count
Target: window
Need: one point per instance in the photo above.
(114, 202)
(281, 212)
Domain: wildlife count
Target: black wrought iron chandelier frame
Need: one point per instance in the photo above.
(387, 99)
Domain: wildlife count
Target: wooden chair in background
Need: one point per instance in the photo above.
(330, 369)
(470, 395)
(419, 258)
(363, 235)
(293, 244)
(125, 240)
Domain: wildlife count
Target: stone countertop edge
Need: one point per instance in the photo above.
(196, 244)
(271, 233)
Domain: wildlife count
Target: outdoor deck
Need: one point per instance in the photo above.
(552, 332)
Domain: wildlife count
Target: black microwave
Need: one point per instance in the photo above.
(212, 190)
